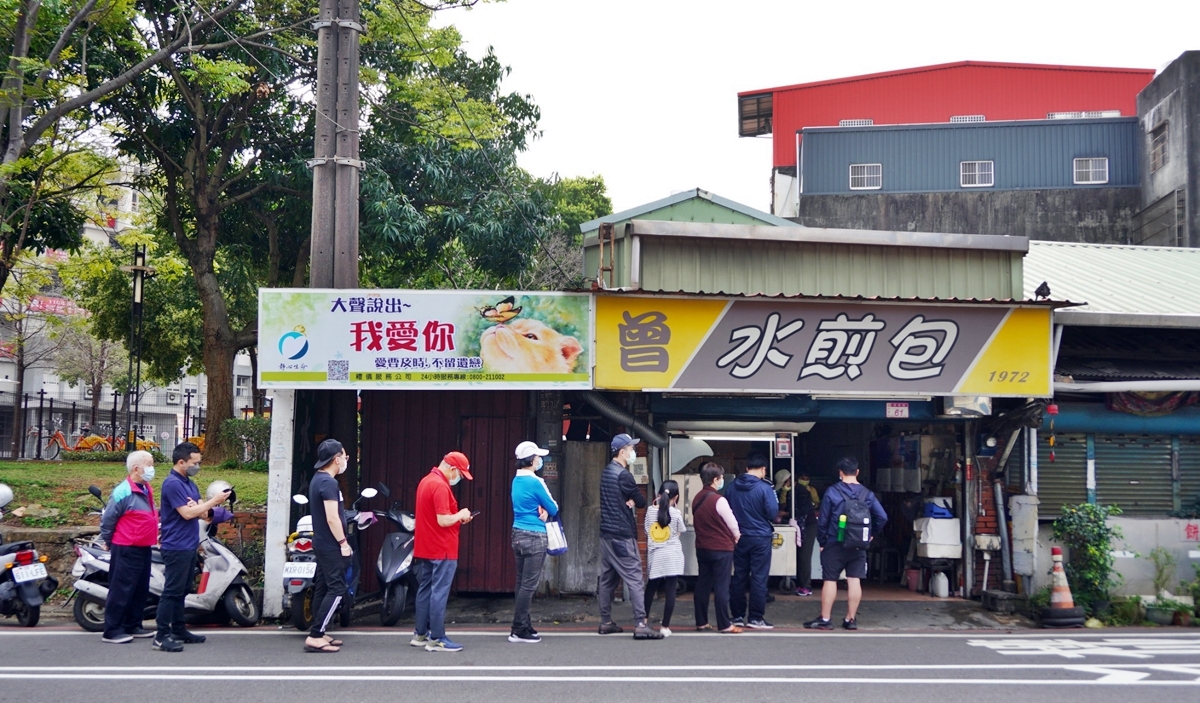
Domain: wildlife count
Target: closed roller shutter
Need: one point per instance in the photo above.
(1063, 482)
(1189, 468)
(1134, 473)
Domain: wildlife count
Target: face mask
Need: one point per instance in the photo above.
(537, 464)
(342, 466)
(192, 470)
(719, 484)
(148, 473)
(802, 482)
(457, 477)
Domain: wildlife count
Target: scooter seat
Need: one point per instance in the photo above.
(14, 547)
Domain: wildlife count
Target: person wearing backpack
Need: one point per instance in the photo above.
(849, 519)
(664, 550)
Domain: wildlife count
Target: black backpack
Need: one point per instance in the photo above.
(857, 535)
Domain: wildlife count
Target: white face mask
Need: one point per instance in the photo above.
(148, 473)
(537, 463)
(457, 477)
(719, 484)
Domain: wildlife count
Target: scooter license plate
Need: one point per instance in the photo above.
(21, 574)
(299, 569)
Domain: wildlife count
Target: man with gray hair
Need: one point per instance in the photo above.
(129, 526)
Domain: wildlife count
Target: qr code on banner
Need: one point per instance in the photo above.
(339, 370)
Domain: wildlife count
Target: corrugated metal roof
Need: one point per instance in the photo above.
(764, 217)
(842, 298)
(1123, 282)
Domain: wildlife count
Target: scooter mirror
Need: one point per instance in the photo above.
(95, 491)
(300, 499)
(387, 493)
(369, 493)
(232, 496)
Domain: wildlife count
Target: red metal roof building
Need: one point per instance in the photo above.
(962, 91)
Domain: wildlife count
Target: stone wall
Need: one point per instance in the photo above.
(54, 543)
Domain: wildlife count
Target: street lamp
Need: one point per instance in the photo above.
(140, 272)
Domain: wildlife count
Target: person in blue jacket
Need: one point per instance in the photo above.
(532, 507)
(754, 504)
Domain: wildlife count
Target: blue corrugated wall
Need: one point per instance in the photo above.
(1027, 155)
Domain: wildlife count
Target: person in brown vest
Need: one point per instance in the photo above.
(716, 534)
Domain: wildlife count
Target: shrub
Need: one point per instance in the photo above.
(260, 466)
(1164, 569)
(159, 458)
(253, 435)
(1084, 529)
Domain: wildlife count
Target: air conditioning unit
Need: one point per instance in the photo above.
(172, 397)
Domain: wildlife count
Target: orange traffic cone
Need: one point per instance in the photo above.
(1060, 591)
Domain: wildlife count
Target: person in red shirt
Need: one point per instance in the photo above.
(438, 520)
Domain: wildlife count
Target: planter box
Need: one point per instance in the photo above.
(1160, 616)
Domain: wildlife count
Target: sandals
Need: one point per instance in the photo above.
(323, 649)
(732, 630)
(705, 628)
(332, 642)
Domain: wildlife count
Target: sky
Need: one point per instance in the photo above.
(644, 92)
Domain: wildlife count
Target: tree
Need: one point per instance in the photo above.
(62, 58)
(86, 360)
(26, 329)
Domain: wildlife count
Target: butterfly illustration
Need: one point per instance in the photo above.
(501, 312)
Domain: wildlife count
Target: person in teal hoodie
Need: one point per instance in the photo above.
(532, 507)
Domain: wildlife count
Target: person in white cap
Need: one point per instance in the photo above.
(532, 507)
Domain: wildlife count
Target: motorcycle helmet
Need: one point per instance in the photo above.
(216, 488)
(6, 495)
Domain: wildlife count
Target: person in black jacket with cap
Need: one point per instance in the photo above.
(619, 558)
(330, 547)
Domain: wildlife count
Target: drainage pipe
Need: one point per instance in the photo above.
(609, 410)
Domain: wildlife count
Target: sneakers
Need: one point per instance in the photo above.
(740, 622)
(804, 592)
(189, 638)
(166, 644)
(528, 637)
(139, 633)
(117, 639)
(850, 624)
(818, 624)
(419, 640)
(645, 632)
(760, 625)
(610, 628)
(664, 631)
(445, 644)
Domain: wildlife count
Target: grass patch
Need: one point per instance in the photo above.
(63, 486)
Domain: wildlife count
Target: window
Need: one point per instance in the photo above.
(1082, 115)
(856, 123)
(1093, 170)
(1158, 147)
(866, 176)
(968, 118)
(754, 115)
(243, 387)
(135, 201)
(976, 174)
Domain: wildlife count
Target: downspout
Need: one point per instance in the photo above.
(1001, 515)
(609, 410)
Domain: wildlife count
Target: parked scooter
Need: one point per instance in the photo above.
(393, 566)
(223, 593)
(299, 570)
(24, 583)
(356, 521)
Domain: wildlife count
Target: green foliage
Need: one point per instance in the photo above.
(1125, 612)
(578, 200)
(252, 435)
(260, 466)
(1171, 604)
(1164, 569)
(1085, 530)
(1040, 599)
(1189, 510)
(109, 456)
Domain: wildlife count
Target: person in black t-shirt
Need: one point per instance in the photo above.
(330, 547)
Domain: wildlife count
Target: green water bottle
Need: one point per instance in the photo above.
(841, 528)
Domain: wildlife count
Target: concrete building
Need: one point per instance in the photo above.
(1169, 155)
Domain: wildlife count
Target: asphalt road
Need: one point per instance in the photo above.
(61, 663)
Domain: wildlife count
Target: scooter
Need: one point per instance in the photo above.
(223, 593)
(24, 583)
(393, 566)
(301, 593)
(299, 570)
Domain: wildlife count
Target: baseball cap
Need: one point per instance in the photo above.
(459, 461)
(622, 440)
(326, 451)
(528, 449)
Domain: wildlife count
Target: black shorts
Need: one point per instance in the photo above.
(835, 558)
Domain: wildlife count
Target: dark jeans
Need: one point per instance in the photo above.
(128, 586)
(804, 567)
(620, 561)
(714, 572)
(751, 564)
(180, 566)
(434, 577)
(329, 588)
(530, 550)
(668, 583)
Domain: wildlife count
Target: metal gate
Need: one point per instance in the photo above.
(1189, 469)
(1063, 482)
(1134, 473)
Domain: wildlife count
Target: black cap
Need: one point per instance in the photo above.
(327, 451)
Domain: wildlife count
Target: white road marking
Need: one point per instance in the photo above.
(1072, 648)
(1111, 674)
